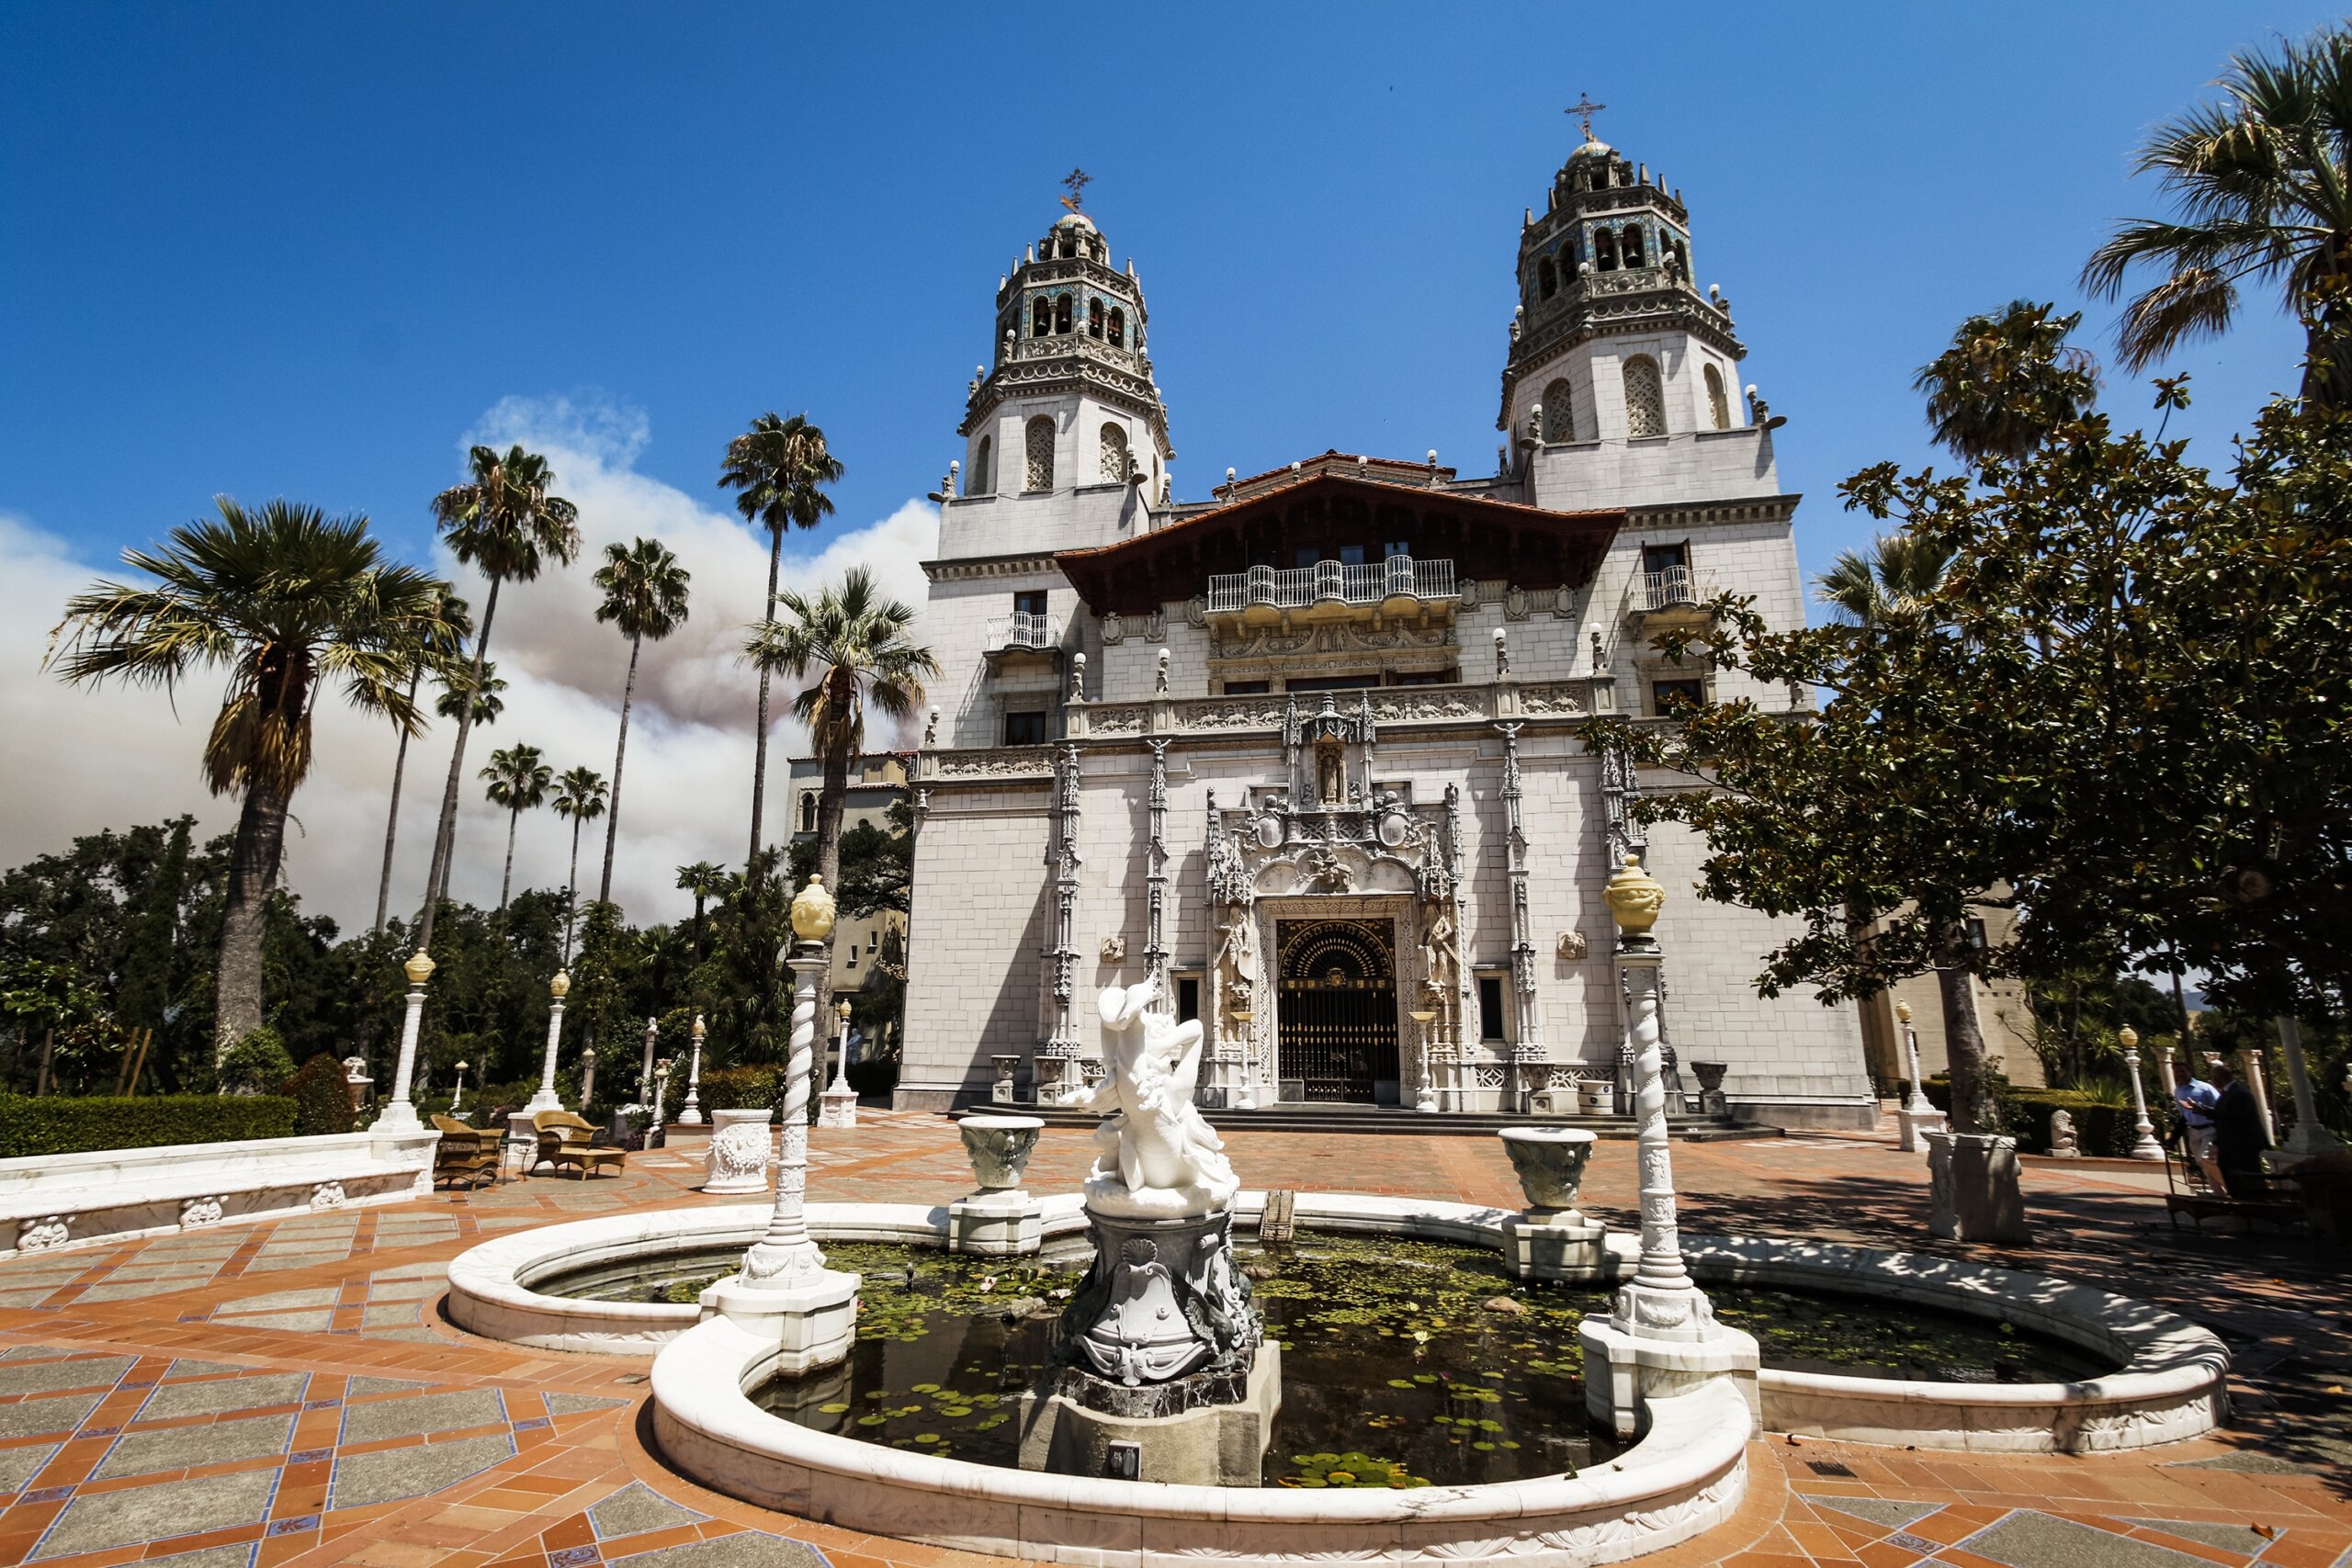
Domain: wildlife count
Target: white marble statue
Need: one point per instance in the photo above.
(1159, 1157)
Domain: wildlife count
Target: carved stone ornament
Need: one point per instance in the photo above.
(999, 1148)
(50, 1230)
(1572, 946)
(204, 1210)
(1634, 897)
(328, 1195)
(1115, 949)
(737, 1157)
(1115, 629)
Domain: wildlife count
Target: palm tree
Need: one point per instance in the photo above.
(2262, 184)
(460, 616)
(645, 595)
(579, 796)
(505, 524)
(2007, 382)
(778, 465)
(518, 781)
(457, 680)
(1893, 578)
(706, 880)
(854, 641)
(285, 598)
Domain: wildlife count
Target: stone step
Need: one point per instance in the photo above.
(1301, 1118)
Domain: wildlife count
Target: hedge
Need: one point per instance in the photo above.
(321, 1095)
(2100, 1129)
(56, 1125)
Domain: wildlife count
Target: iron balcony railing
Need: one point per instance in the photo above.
(1673, 586)
(1024, 629)
(1331, 581)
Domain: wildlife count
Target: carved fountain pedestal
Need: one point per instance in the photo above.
(1551, 1239)
(1158, 1369)
(1001, 1219)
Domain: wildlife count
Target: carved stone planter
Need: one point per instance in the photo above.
(1000, 1085)
(1551, 1240)
(1000, 1219)
(1712, 1100)
(1972, 1188)
(741, 1146)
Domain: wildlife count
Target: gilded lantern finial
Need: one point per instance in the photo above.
(698, 1029)
(418, 968)
(560, 986)
(1903, 1012)
(1634, 897)
(812, 911)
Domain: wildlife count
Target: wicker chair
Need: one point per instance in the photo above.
(466, 1154)
(565, 1139)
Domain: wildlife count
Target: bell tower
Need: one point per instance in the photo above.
(1068, 408)
(1613, 346)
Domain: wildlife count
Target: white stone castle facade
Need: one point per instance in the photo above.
(1306, 752)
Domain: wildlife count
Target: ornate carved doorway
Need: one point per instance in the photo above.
(1337, 1010)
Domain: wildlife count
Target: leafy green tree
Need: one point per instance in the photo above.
(285, 598)
(578, 799)
(778, 467)
(518, 779)
(850, 644)
(504, 523)
(2262, 182)
(645, 596)
(2007, 382)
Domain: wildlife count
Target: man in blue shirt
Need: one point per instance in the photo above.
(2195, 1099)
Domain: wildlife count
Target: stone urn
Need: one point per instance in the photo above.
(1710, 1074)
(999, 1148)
(1597, 1097)
(1550, 1162)
(741, 1146)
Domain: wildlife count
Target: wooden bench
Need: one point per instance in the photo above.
(467, 1154)
(565, 1139)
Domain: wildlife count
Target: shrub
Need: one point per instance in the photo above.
(2101, 1129)
(257, 1064)
(62, 1126)
(321, 1097)
(730, 1088)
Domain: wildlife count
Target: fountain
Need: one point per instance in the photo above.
(1159, 1371)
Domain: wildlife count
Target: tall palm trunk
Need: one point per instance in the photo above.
(392, 816)
(1972, 1101)
(506, 883)
(244, 919)
(620, 754)
(571, 893)
(760, 743)
(436, 882)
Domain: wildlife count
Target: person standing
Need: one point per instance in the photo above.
(2238, 1136)
(2195, 1099)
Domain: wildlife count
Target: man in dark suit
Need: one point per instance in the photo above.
(2239, 1136)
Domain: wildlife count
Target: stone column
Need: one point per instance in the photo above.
(839, 1107)
(2143, 1131)
(546, 1100)
(2255, 1081)
(1662, 1337)
(1155, 938)
(785, 1296)
(587, 1078)
(645, 1076)
(1529, 1072)
(399, 1116)
(690, 1114)
(2310, 1136)
(1918, 1116)
(1068, 1077)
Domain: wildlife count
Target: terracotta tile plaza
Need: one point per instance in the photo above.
(293, 1392)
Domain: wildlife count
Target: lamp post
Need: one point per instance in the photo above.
(459, 1097)
(546, 1099)
(1425, 1096)
(645, 1074)
(399, 1116)
(788, 1256)
(1918, 1116)
(690, 1115)
(587, 1078)
(1662, 1335)
(2143, 1131)
(839, 1107)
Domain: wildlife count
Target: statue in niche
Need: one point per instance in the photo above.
(1330, 776)
(1440, 956)
(1157, 1156)
(1238, 958)
(1228, 879)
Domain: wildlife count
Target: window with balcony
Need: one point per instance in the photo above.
(1030, 602)
(1025, 728)
(1666, 576)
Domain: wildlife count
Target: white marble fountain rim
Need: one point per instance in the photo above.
(2169, 1363)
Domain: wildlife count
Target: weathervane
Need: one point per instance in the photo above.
(1584, 109)
(1077, 180)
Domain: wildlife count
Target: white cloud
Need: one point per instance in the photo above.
(80, 761)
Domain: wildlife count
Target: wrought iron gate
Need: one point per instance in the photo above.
(1337, 1012)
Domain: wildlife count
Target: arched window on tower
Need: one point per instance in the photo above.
(1118, 327)
(981, 466)
(1114, 453)
(809, 811)
(1604, 250)
(1559, 412)
(1632, 248)
(1040, 442)
(1682, 259)
(1094, 318)
(1645, 399)
(1041, 317)
(1718, 401)
(1547, 281)
(1061, 313)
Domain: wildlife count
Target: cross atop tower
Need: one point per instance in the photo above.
(1077, 180)
(1584, 109)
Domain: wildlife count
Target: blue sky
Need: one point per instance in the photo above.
(300, 249)
(310, 249)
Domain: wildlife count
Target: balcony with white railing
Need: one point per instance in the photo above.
(1670, 589)
(1024, 629)
(1333, 583)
